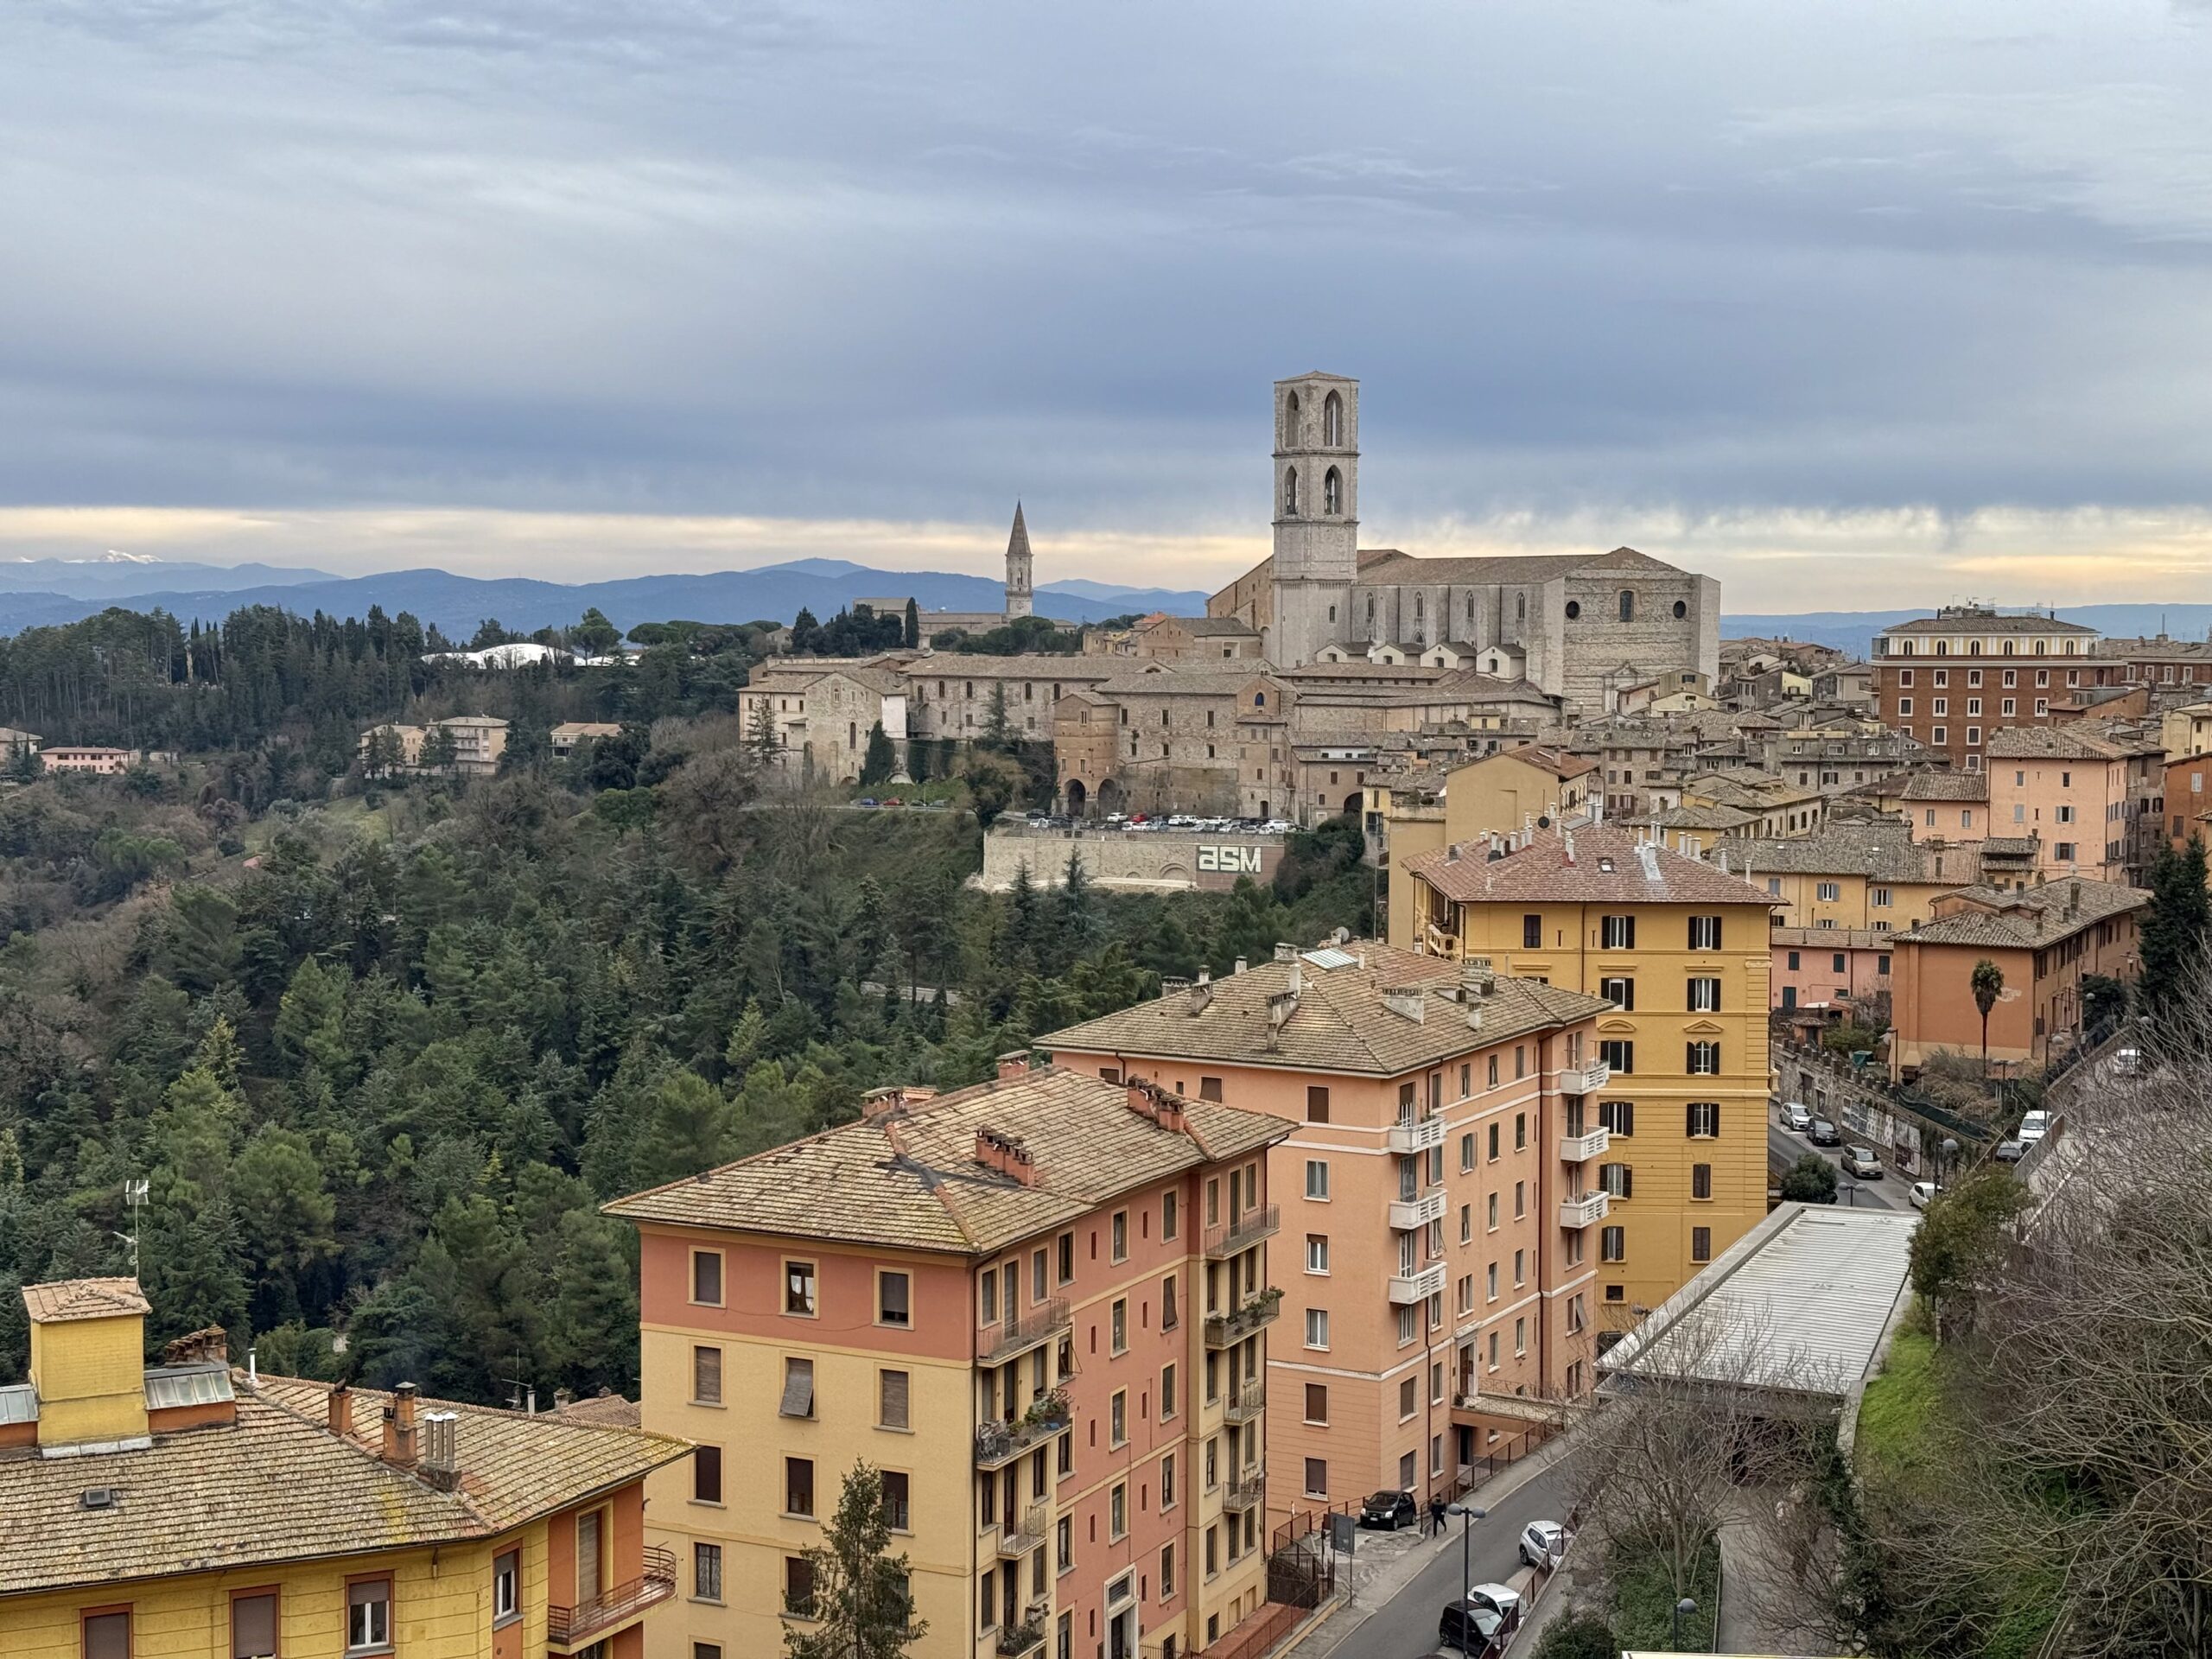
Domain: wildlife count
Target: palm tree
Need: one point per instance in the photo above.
(1989, 984)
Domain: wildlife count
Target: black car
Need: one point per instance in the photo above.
(1389, 1510)
(1474, 1628)
(1824, 1134)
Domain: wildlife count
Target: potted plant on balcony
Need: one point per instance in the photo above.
(1264, 1305)
(1048, 1410)
(1021, 1638)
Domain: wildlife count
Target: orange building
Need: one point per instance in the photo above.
(1039, 1306)
(191, 1509)
(1439, 1190)
(2042, 939)
(2093, 801)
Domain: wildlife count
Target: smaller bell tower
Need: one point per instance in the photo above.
(1019, 598)
(1317, 514)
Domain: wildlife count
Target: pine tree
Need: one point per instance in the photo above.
(913, 630)
(2176, 929)
(860, 1605)
(881, 760)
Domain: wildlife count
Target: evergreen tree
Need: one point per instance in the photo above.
(860, 1606)
(881, 760)
(2176, 928)
(998, 724)
(762, 740)
(912, 637)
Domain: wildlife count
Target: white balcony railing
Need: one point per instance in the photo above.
(1583, 1209)
(1581, 1148)
(1429, 1282)
(1586, 1079)
(1416, 1135)
(1408, 1215)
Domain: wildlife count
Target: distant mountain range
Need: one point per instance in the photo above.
(1855, 631)
(43, 592)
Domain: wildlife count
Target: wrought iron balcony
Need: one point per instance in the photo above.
(1246, 1491)
(1008, 1337)
(1583, 1209)
(998, 1444)
(1226, 1329)
(1243, 1233)
(1581, 1148)
(1416, 1135)
(1417, 1287)
(1248, 1403)
(1022, 1536)
(571, 1627)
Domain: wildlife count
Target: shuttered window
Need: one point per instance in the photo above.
(707, 1376)
(893, 1387)
(253, 1626)
(707, 1474)
(798, 1388)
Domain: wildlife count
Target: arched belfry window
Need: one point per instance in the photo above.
(1332, 489)
(1521, 607)
(1332, 420)
(1628, 606)
(1290, 420)
(1290, 490)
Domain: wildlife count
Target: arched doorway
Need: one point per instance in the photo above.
(1078, 798)
(1109, 797)
(1355, 803)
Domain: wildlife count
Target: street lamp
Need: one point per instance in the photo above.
(1950, 1150)
(1468, 1514)
(1685, 1605)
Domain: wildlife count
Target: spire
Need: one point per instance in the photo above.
(1017, 578)
(1017, 545)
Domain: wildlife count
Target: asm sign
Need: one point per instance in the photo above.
(1235, 860)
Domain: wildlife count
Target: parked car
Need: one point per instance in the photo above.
(2033, 1126)
(1824, 1134)
(2010, 1152)
(1469, 1628)
(1389, 1511)
(1921, 1191)
(1543, 1542)
(1795, 1116)
(2127, 1063)
(1862, 1162)
(1501, 1599)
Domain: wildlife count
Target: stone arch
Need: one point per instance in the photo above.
(1628, 604)
(1290, 421)
(1332, 489)
(1111, 797)
(1078, 798)
(1290, 490)
(1333, 419)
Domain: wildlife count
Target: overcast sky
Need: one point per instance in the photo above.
(1849, 305)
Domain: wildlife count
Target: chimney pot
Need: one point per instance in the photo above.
(1015, 1064)
(342, 1410)
(1284, 953)
(1240, 964)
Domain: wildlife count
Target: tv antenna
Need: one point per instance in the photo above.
(134, 1197)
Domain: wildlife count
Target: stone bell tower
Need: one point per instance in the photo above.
(1019, 599)
(1316, 515)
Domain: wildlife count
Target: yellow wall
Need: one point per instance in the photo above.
(92, 1379)
(1853, 904)
(1496, 793)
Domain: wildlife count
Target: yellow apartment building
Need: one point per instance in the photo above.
(1499, 794)
(1871, 875)
(190, 1511)
(1679, 948)
(1438, 1193)
(1038, 1306)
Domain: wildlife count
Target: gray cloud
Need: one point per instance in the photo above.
(903, 263)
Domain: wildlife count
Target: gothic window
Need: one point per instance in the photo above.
(1290, 420)
(1371, 616)
(1332, 490)
(1628, 606)
(1521, 607)
(1332, 420)
(1290, 490)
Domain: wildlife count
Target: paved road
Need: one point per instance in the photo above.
(1887, 1194)
(1405, 1626)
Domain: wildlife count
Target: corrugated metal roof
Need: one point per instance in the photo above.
(1798, 1304)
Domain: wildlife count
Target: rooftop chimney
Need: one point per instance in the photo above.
(88, 1359)
(1407, 1001)
(1284, 953)
(1241, 964)
(877, 1101)
(399, 1447)
(1452, 854)
(1007, 1155)
(1013, 1063)
(1567, 837)
(441, 1451)
(342, 1410)
(1201, 994)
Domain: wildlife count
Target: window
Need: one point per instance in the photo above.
(1170, 1315)
(1117, 1524)
(1532, 932)
(1520, 1130)
(1520, 1269)
(1827, 891)
(706, 1377)
(1904, 705)
(107, 1636)
(1702, 1060)
(253, 1616)
(799, 1288)
(1317, 1179)
(1705, 933)
(798, 1388)
(1118, 1231)
(706, 1571)
(1616, 932)
(1619, 1054)
(1317, 1327)
(893, 1392)
(897, 1500)
(1316, 1253)
(1317, 1483)
(368, 1616)
(1117, 1417)
(798, 1486)
(1617, 1115)
(706, 1474)
(1317, 1104)
(1166, 1393)
(1701, 1243)
(1520, 1199)
(799, 1585)
(1467, 1150)
(1210, 1089)
(1702, 1118)
(1619, 991)
(1628, 605)
(1618, 1180)
(1408, 1401)
(1704, 996)
(1118, 1325)
(893, 1292)
(1612, 1243)
(707, 1278)
(1701, 1180)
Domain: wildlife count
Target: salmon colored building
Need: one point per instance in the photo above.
(192, 1510)
(1037, 1306)
(2045, 940)
(1438, 1191)
(1838, 968)
(1680, 948)
(2094, 801)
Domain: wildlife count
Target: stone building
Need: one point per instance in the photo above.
(1577, 625)
(1021, 595)
(823, 710)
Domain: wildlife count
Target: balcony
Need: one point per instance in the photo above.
(1248, 1403)
(999, 1444)
(1581, 1148)
(995, 1343)
(1586, 1079)
(1245, 1493)
(1022, 1638)
(1429, 1282)
(1227, 1329)
(1243, 1233)
(1025, 1536)
(1411, 1215)
(1583, 1209)
(1440, 943)
(1416, 1135)
(587, 1621)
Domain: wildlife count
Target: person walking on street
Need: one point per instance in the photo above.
(1435, 1516)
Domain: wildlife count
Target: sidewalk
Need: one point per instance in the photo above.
(1380, 1571)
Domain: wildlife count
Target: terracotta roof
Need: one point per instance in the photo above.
(1561, 765)
(279, 1486)
(1541, 873)
(606, 1409)
(83, 1298)
(2060, 743)
(1342, 1021)
(1983, 622)
(1394, 568)
(1032, 665)
(1881, 851)
(1207, 679)
(1937, 784)
(910, 1178)
(1723, 818)
(2029, 919)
